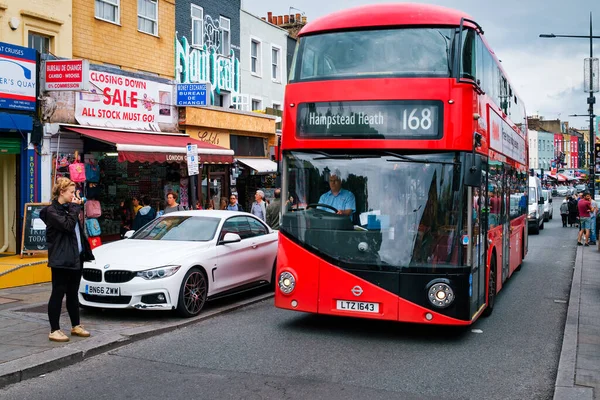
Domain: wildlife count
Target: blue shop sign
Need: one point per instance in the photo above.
(18, 75)
(193, 94)
(15, 122)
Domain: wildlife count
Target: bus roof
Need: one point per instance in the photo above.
(380, 15)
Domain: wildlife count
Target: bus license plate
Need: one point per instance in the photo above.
(101, 290)
(358, 306)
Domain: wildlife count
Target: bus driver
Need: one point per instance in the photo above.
(341, 199)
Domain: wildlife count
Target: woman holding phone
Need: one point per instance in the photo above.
(67, 250)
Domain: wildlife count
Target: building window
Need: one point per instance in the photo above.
(39, 42)
(248, 145)
(225, 36)
(148, 16)
(197, 25)
(256, 105)
(255, 57)
(275, 64)
(108, 10)
(276, 106)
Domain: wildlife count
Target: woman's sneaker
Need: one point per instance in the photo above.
(58, 336)
(79, 331)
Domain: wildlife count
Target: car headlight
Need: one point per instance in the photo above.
(158, 273)
(286, 282)
(533, 214)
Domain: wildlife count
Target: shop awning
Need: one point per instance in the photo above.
(260, 165)
(156, 147)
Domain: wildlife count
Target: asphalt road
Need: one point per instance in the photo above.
(260, 352)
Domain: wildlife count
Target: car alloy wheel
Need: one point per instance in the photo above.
(192, 294)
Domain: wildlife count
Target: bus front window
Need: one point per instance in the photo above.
(422, 52)
(372, 211)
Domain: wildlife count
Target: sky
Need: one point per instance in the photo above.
(546, 73)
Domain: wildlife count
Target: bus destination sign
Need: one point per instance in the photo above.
(386, 119)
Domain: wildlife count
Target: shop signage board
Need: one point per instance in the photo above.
(66, 75)
(117, 101)
(17, 77)
(34, 230)
(193, 65)
(193, 94)
(505, 140)
(192, 159)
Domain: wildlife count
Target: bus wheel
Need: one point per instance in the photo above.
(491, 289)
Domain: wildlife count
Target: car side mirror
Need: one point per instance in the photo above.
(230, 238)
(128, 234)
(550, 200)
(541, 201)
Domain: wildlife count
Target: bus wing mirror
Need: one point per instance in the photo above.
(472, 168)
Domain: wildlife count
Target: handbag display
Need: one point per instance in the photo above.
(92, 172)
(94, 242)
(77, 172)
(93, 209)
(93, 227)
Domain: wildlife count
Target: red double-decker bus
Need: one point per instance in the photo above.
(404, 176)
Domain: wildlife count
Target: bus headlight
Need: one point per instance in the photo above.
(440, 294)
(287, 282)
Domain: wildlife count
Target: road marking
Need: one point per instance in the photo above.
(560, 301)
(476, 331)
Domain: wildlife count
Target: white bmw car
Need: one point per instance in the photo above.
(180, 260)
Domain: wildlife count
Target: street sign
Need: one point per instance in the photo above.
(192, 159)
(18, 69)
(66, 74)
(590, 75)
(193, 94)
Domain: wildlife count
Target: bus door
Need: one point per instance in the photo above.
(505, 221)
(478, 234)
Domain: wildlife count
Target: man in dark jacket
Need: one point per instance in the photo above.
(145, 215)
(274, 211)
(67, 250)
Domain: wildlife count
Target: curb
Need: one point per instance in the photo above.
(564, 388)
(35, 365)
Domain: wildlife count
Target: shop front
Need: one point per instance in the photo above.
(126, 139)
(19, 159)
(250, 136)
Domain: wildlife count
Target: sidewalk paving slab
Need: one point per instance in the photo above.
(26, 352)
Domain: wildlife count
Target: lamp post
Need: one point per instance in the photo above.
(591, 99)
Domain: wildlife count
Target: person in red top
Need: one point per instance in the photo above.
(585, 208)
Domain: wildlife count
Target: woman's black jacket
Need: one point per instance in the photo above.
(61, 221)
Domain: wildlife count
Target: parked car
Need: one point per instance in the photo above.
(562, 191)
(548, 209)
(181, 260)
(580, 188)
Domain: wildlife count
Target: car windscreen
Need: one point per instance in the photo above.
(179, 228)
(532, 196)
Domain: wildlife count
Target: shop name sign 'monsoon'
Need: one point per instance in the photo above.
(117, 101)
(66, 74)
(17, 77)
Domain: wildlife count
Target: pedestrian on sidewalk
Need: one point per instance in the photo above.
(585, 211)
(594, 213)
(68, 249)
(573, 213)
(564, 211)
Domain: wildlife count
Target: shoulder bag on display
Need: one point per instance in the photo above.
(93, 209)
(92, 172)
(94, 242)
(93, 227)
(77, 172)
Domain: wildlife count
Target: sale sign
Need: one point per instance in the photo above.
(117, 101)
(66, 74)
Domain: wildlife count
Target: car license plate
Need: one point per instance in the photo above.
(101, 290)
(358, 306)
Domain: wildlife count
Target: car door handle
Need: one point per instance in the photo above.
(254, 245)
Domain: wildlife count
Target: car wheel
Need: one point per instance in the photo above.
(535, 230)
(491, 289)
(546, 217)
(542, 225)
(192, 294)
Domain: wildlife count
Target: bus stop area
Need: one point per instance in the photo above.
(26, 352)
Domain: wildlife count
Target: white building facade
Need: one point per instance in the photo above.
(533, 149)
(263, 63)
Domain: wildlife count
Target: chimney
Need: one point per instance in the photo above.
(292, 20)
(297, 18)
(286, 19)
(280, 20)
(304, 20)
(270, 16)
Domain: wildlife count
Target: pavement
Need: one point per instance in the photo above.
(578, 376)
(26, 352)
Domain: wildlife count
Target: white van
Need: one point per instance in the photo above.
(535, 210)
(548, 210)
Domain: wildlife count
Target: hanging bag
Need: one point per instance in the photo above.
(93, 209)
(77, 172)
(93, 227)
(92, 172)
(94, 242)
